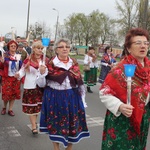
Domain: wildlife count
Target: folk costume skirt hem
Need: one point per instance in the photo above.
(90, 77)
(32, 101)
(63, 116)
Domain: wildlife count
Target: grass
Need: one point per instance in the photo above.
(81, 69)
(77, 56)
(81, 65)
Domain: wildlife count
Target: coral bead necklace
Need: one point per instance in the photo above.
(63, 60)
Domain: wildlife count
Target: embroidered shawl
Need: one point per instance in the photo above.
(31, 61)
(59, 74)
(115, 84)
(106, 58)
(8, 58)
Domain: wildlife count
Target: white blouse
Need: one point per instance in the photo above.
(92, 64)
(31, 76)
(112, 103)
(66, 82)
(10, 72)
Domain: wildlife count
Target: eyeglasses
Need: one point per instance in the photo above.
(139, 43)
(63, 47)
(13, 46)
(40, 48)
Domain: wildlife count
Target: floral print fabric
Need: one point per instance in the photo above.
(119, 134)
(32, 101)
(63, 116)
(10, 88)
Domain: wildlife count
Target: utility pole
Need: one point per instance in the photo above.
(145, 14)
(28, 18)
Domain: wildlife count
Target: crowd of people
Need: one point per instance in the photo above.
(55, 83)
(54, 88)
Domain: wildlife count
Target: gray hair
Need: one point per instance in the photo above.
(67, 41)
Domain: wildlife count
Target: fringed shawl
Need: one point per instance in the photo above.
(106, 58)
(115, 84)
(9, 58)
(58, 74)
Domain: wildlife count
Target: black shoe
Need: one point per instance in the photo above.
(89, 90)
(34, 131)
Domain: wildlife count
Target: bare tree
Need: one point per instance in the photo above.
(128, 13)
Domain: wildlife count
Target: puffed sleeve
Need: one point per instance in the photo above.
(111, 102)
(86, 59)
(83, 91)
(41, 80)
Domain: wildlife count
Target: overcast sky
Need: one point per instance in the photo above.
(13, 13)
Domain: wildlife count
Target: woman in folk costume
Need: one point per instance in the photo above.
(63, 113)
(32, 95)
(126, 125)
(90, 77)
(9, 65)
(107, 62)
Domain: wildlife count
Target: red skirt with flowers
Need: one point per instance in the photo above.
(10, 88)
(32, 101)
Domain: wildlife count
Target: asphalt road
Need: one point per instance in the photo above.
(15, 132)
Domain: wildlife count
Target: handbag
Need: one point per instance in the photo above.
(86, 67)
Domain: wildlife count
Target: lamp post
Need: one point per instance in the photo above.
(56, 23)
(28, 18)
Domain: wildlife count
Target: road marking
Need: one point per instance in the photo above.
(30, 126)
(94, 121)
(91, 122)
(12, 131)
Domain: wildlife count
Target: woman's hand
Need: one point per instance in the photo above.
(17, 75)
(42, 69)
(2, 59)
(110, 65)
(126, 109)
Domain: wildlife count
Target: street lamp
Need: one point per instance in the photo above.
(28, 18)
(56, 23)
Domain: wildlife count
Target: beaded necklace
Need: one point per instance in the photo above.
(64, 61)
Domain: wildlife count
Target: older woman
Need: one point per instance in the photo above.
(9, 65)
(63, 112)
(126, 125)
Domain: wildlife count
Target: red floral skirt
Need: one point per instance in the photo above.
(32, 101)
(10, 88)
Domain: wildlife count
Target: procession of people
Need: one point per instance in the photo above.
(55, 90)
